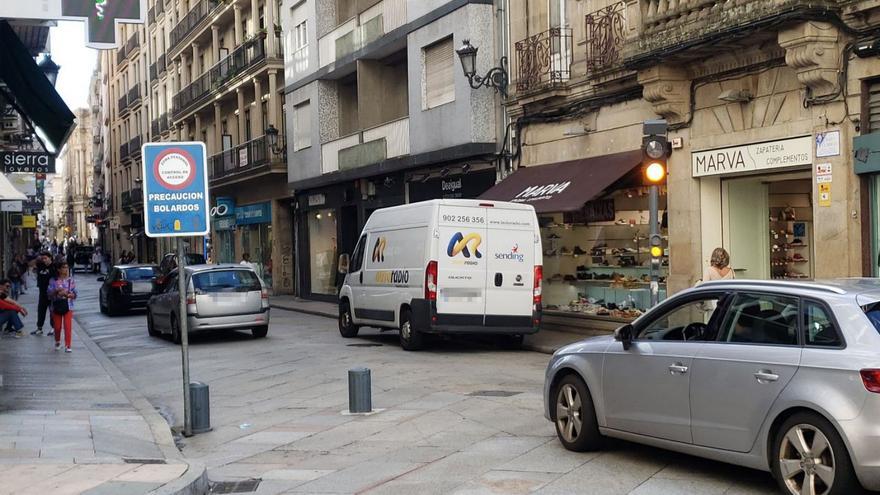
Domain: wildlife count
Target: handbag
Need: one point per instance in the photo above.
(60, 306)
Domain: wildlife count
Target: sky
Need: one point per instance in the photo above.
(68, 47)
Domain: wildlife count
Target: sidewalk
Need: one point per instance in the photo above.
(546, 341)
(72, 423)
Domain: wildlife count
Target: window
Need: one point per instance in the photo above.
(357, 259)
(302, 126)
(688, 321)
(761, 319)
(226, 281)
(300, 45)
(872, 106)
(819, 326)
(140, 273)
(439, 76)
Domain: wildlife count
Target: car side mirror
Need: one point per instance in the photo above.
(344, 263)
(624, 335)
(100, 279)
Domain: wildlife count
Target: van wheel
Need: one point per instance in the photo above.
(410, 338)
(808, 456)
(347, 328)
(575, 416)
(260, 332)
(151, 328)
(175, 330)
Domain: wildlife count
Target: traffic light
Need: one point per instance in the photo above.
(656, 149)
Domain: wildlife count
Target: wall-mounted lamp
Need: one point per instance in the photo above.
(496, 78)
(736, 96)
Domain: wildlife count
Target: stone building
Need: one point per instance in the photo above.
(77, 177)
(764, 100)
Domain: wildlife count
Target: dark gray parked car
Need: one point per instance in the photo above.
(126, 287)
(778, 376)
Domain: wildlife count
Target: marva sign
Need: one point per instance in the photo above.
(753, 157)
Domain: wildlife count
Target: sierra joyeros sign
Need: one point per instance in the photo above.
(27, 162)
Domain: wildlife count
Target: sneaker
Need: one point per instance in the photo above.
(51, 333)
(38, 331)
(68, 350)
(19, 334)
(57, 346)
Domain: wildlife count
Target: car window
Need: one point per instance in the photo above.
(357, 259)
(140, 273)
(686, 322)
(761, 319)
(226, 281)
(171, 283)
(819, 326)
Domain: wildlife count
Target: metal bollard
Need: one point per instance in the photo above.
(200, 415)
(359, 398)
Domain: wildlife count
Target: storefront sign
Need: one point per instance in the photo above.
(27, 162)
(114, 223)
(252, 214)
(465, 186)
(11, 206)
(175, 189)
(225, 206)
(225, 223)
(827, 144)
(825, 194)
(753, 157)
(823, 172)
(317, 199)
(28, 221)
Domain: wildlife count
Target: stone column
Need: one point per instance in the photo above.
(255, 17)
(270, 28)
(273, 99)
(195, 62)
(185, 72)
(258, 111)
(218, 128)
(215, 43)
(238, 34)
(198, 129)
(242, 135)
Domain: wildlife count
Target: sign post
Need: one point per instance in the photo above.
(176, 205)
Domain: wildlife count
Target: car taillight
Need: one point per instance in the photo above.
(871, 379)
(190, 298)
(119, 284)
(536, 293)
(264, 294)
(431, 281)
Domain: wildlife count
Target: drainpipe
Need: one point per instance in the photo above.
(502, 27)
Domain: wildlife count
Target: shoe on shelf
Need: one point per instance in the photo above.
(556, 278)
(553, 236)
(68, 350)
(38, 331)
(565, 251)
(578, 251)
(550, 252)
(57, 346)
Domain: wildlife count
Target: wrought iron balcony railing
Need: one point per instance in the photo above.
(244, 157)
(120, 55)
(123, 104)
(154, 74)
(123, 152)
(131, 45)
(544, 60)
(134, 146)
(151, 15)
(125, 200)
(163, 122)
(160, 7)
(154, 128)
(191, 20)
(134, 94)
(160, 64)
(605, 31)
(137, 196)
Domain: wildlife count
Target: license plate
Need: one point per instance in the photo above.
(141, 287)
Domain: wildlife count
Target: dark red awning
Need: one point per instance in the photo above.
(564, 186)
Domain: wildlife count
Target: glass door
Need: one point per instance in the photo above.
(746, 227)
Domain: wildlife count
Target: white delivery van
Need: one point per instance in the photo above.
(444, 267)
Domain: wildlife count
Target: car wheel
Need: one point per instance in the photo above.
(175, 330)
(410, 338)
(347, 328)
(575, 416)
(151, 328)
(260, 332)
(810, 457)
(103, 308)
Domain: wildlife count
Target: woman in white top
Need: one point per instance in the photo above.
(719, 266)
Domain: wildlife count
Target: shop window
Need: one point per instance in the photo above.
(322, 248)
(439, 75)
(871, 106)
(302, 126)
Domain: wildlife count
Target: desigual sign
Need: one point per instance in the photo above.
(27, 162)
(753, 157)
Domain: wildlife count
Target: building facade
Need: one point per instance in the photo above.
(379, 113)
(764, 100)
(77, 176)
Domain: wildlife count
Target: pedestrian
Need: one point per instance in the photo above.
(24, 266)
(10, 311)
(45, 272)
(62, 293)
(719, 266)
(246, 260)
(14, 275)
(97, 257)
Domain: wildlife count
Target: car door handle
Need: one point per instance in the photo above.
(764, 376)
(677, 368)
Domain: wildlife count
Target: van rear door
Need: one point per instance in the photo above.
(461, 268)
(510, 274)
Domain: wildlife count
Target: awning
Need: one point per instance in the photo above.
(8, 192)
(33, 92)
(564, 186)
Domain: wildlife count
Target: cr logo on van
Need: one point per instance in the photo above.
(464, 244)
(379, 250)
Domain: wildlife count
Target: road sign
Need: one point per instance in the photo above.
(175, 189)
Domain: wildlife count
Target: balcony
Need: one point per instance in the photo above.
(134, 147)
(131, 45)
(154, 128)
(255, 154)
(125, 200)
(604, 35)
(123, 104)
(373, 145)
(160, 7)
(137, 196)
(123, 152)
(160, 65)
(673, 27)
(239, 61)
(543, 60)
(151, 15)
(154, 74)
(362, 29)
(192, 19)
(134, 94)
(163, 123)
(120, 55)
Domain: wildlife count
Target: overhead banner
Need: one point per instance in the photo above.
(101, 16)
(30, 162)
(175, 189)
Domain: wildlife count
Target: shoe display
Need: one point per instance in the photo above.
(565, 251)
(797, 242)
(578, 251)
(569, 278)
(550, 252)
(553, 236)
(556, 278)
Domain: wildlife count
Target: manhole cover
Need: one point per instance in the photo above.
(493, 393)
(235, 486)
(132, 460)
(364, 345)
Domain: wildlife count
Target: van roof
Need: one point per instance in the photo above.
(466, 202)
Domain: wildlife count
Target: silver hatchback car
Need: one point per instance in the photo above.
(777, 376)
(218, 297)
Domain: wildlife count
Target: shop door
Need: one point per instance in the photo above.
(747, 236)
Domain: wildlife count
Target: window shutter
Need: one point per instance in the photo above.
(874, 107)
(439, 76)
(302, 126)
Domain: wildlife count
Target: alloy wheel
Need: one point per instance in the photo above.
(406, 330)
(806, 461)
(346, 319)
(569, 412)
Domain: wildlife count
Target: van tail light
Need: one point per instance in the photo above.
(119, 284)
(431, 281)
(539, 276)
(871, 379)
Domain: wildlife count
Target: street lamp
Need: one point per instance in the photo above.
(496, 78)
(49, 68)
(272, 136)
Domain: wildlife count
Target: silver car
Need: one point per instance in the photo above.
(218, 297)
(777, 376)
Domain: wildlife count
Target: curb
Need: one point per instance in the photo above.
(195, 480)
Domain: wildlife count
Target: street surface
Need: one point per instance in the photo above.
(462, 417)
